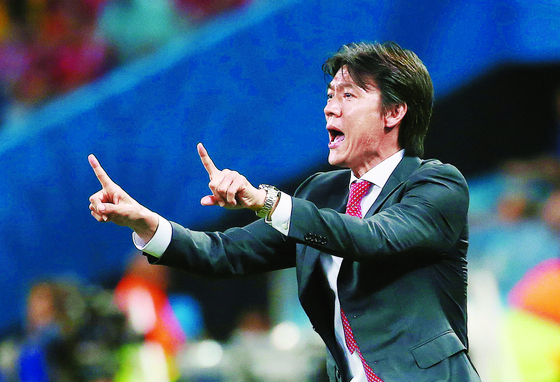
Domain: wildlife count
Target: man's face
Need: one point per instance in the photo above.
(355, 123)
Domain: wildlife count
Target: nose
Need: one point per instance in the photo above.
(332, 108)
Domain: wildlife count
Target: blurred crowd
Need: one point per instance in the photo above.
(48, 47)
(139, 332)
(514, 272)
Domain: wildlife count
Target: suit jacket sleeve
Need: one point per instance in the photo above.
(239, 251)
(425, 213)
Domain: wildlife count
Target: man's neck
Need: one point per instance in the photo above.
(359, 172)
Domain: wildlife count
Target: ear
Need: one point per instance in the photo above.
(395, 114)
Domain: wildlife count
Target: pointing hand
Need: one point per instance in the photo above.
(229, 188)
(112, 203)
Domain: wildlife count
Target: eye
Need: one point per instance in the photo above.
(348, 95)
(330, 96)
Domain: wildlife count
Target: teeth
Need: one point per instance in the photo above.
(338, 138)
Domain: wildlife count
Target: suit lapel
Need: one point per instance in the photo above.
(405, 168)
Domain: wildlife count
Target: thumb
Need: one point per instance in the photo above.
(209, 200)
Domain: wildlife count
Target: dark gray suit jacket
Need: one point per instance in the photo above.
(403, 280)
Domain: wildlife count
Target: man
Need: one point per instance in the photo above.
(381, 270)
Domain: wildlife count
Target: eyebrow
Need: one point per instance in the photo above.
(342, 85)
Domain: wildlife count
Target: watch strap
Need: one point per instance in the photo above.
(272, 195)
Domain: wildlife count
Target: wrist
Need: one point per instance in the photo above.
(146, 225)
(261, 198)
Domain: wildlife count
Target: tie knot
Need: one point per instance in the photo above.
(360, 188)
(357, 191)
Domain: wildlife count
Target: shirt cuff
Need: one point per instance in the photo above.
(159, 243)
(280, 218)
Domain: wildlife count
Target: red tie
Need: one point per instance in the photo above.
(357, 192)
(353, 208)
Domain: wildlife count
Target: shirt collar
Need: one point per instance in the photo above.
(379, 174)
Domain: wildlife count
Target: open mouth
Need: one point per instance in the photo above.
(335, 136)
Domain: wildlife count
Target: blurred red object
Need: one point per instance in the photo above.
(538, 291)
(142, 295)
(203, 9)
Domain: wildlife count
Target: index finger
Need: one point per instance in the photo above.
(99, 172)
(206, 161)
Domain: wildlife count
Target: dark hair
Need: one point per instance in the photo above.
(401, 77)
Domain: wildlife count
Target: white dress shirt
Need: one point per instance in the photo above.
(280, 220)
